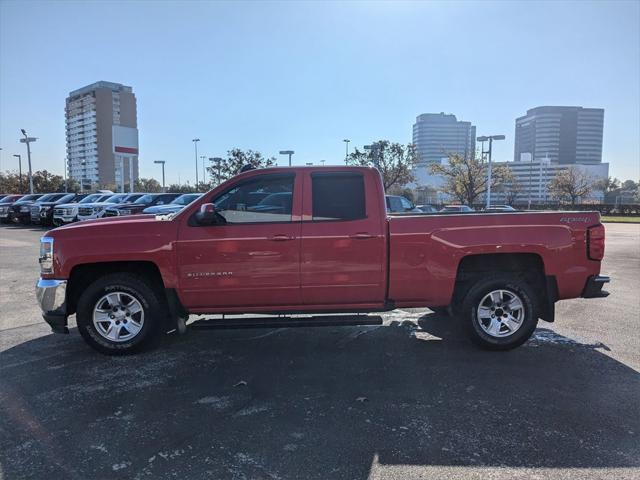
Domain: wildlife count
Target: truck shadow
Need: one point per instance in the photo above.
(313, 403)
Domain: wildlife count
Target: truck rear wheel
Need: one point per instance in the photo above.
(499, 312)
(120, 314)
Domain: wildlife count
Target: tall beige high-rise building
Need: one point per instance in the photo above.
(91, 112)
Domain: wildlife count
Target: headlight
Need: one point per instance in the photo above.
(46, 207)
(46, 255)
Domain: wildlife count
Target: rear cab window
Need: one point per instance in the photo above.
(338, 196)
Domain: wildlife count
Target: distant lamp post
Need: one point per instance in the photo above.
(287, 152)
(218, 162)
(204, 176)
(346, 151)
(490, 139)
(28, 140)
(195, 144)
(161, 162)
(373, 150)
(20, 170)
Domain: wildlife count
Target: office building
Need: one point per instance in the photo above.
(91, 113)
(436, 135)
(533, 178)
(564, 135)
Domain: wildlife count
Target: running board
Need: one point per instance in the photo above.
(286, 322)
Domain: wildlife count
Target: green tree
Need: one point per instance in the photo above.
(394, 161)
(570, 185)
(46, 182)
(148, 185)
(510, 187)
(236, 159)
(10, 183)
(466, 177)
(177, 188)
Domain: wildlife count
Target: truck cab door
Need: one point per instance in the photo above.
(252, 258)
(343, 249)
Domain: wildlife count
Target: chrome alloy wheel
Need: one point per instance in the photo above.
(500, 313)
(118, 316)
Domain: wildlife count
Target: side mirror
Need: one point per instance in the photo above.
(207, 214)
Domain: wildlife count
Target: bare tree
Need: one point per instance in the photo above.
(571, 184)
(394, 161)
(466, 177)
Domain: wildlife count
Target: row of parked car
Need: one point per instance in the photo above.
(56, 209)
(400, 204)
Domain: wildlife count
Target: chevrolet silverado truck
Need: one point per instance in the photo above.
(313, 240)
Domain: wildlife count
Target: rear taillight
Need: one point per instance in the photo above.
(595, 242)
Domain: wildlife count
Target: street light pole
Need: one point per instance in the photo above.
(204, 176)
(20, 170)
(28, 140)
(195, 144)
(162, 162)
(346, 152)
(287, 152)
(490, 139)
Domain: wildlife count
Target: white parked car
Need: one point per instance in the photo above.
(91, 211)
(68, 212)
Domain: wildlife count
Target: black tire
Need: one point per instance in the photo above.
(512, 285)
(133, 286)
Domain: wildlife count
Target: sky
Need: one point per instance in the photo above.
(272, 76)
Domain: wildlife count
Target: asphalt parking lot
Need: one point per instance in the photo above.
(408, 399)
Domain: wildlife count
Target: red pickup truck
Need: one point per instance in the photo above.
(314, 240)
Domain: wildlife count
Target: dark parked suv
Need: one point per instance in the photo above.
(20, 211)
(148, 200)
(42, 210)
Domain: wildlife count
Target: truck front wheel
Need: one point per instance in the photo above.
(120, 314)
(499, 312)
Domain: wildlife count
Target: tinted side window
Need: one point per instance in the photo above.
(267, 198)
(338, 196)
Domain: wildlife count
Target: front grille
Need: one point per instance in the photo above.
(85, 211)
(59, 211)
(35, 210)
(111, 213)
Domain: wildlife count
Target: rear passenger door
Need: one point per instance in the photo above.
(343, 251)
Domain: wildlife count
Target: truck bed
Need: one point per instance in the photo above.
(426, 249)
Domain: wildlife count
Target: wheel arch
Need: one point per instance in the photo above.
(530, 266)
(83, 275)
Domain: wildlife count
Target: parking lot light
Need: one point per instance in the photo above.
(28, 140)
(162, 162)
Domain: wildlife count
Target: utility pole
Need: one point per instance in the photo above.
(195, 144)
(20, 170)
(28, 140)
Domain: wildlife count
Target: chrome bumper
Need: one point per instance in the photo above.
(51, 295)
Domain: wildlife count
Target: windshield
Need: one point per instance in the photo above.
(90, 198)
(46, 197)
(115, 198)
(186, 199)
(145, 199)
(27, 198)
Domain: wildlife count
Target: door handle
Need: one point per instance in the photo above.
(281, 238)
(361, 236)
